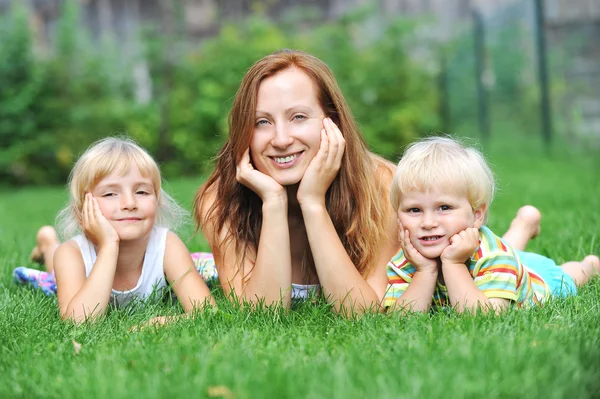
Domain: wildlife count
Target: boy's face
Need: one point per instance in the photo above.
(432, 217)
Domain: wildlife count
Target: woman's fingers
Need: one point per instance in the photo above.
(242, 165)
(323, 152)
(338, 144)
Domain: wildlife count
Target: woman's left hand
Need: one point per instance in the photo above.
(324, 166)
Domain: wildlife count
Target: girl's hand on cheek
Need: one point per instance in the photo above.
(462, 246)
(264, 186)
(412, 255)
(95, 226)
(324, 167)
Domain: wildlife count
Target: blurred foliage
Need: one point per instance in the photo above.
(510, 80)
(53, 107)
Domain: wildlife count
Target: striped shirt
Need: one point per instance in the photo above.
(496, 270)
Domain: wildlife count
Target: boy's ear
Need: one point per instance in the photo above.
(479, 214)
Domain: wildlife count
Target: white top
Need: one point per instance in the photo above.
(302, 291)
(152, 278)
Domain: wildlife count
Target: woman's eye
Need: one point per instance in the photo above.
(261, 122)
(142, 192)
(108, 195)
(299, 117)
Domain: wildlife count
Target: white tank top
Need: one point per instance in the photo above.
(303, 291)
(152, 278)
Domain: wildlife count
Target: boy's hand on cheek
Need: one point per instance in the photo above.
(421, 263)
(462, 246)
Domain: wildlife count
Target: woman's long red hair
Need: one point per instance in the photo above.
(357, 200)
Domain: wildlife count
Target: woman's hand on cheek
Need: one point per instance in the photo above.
(264, 186)
(324, 167)
(95, 226)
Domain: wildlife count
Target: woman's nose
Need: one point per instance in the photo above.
(282, 138)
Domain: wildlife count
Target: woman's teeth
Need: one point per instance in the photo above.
(287, 159)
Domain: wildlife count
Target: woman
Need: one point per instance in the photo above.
(296, 200)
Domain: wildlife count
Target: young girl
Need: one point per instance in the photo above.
(442, 191)
(126, 251)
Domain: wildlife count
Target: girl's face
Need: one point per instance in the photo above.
(129, 202)
(288, 123)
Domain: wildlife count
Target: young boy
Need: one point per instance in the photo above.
(442, 191)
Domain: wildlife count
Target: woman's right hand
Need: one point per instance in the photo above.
(264, 186)
(421, 263)
(95, 226)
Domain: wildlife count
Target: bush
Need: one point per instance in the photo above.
(52, 108)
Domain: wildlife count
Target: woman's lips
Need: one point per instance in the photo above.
(287, 161)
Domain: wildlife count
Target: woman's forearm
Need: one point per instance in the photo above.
(271, 277)
(340, 281)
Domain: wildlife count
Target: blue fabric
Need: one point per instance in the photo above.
(560, 283)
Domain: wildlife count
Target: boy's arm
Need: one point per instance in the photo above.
(463, 291)
(418, 293)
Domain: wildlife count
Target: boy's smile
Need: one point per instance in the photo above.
(433, 216)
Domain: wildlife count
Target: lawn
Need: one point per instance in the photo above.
(548, 352)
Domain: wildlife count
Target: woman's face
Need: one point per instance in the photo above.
(288, 124)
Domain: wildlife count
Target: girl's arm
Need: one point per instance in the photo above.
(341, 282)
(264, 274)
(190, 289)
(80, 298)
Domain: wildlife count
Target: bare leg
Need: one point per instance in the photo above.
(581, 272)
(524, 227)
(47, 242)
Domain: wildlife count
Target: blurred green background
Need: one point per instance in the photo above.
(70, 79)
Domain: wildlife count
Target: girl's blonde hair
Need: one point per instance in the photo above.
(357, 198)
(444, 162)
(100, 160)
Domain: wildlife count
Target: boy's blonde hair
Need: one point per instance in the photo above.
(99, 161)
(447, 163)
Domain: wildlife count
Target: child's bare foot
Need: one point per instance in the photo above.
(46, 243)
(524, 227)
(581, 272)
(594, 261)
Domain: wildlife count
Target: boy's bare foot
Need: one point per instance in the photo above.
(581, 272)
(524, 227)
(46, 242)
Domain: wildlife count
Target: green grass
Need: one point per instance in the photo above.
(549, 352)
